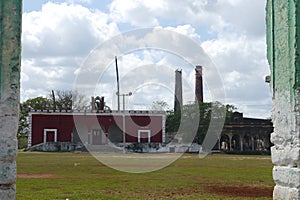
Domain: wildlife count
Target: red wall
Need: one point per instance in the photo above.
(64, 123)
(135, 123)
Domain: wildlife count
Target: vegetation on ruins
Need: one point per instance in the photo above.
(63, 100)
(200, 113)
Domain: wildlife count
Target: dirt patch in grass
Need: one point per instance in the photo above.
(169, 193)
(35, 175)
(241, 191)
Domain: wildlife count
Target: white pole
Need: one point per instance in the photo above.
(123, 102)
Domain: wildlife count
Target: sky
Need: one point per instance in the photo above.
(63, 42)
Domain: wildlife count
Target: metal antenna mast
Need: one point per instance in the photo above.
(118, 85)
(54, 102)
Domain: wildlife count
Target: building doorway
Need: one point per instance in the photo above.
(98, 137)
(50, 135)
(144, 136)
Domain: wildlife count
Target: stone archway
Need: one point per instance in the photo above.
(259, 144)
(235, 143)
(224, 142)
(248, 142)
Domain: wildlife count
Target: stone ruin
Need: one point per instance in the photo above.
(283, 40)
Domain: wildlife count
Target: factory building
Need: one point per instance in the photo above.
(68, 130)
(58, 130)
(239, 134)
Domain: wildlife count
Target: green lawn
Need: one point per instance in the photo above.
(81, 176)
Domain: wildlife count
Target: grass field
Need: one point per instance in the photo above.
(81, 176)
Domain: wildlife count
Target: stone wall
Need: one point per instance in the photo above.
(57, 147)
(283, 32)
(10, 42)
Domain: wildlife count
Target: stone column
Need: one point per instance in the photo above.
(10, 42)
(230, 142)
(241, 142)
(252, 143)
(283, 39)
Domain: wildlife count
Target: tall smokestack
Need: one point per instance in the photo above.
(178, 90)
(198, 84)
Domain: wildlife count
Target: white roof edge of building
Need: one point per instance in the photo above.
(102, 112)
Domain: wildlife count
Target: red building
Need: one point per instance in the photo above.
(92, 128)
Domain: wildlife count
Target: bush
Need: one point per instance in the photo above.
(22, 142)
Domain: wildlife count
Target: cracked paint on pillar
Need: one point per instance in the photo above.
(283, 17)
(10, 47)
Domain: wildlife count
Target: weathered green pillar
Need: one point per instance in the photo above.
(10, 43)
(283, 39)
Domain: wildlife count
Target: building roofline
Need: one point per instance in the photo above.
(100, 112)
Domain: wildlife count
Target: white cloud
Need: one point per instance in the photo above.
(150, 13)
(240, 54)
(63, 29)
(244, 16)
(218, 16)
(243, 65)
(233, 80)
(80, 1)
(187, 30)
(55, 40)
(59, 36)
(172, 51)
(136, 12)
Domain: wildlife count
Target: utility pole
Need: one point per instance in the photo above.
(118, 84)
(54, 102)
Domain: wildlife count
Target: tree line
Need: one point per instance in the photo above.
(193, 120)
(56, 100)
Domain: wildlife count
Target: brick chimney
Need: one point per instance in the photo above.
(198, 84)
(178, 90)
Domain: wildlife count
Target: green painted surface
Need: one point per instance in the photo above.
(269, 34)
(297, 46)
(10, 51)
(10, 45)
(283, 32)
(283, 42)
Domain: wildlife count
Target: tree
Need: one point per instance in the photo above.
(68, 100)
(182, 121)
(159, 105)
(38, 103)
(64, 100)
